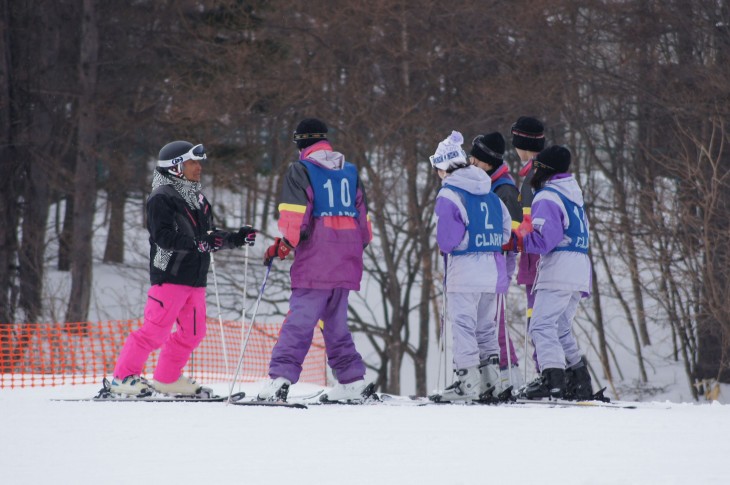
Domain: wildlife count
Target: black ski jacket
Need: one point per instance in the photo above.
(174, 231)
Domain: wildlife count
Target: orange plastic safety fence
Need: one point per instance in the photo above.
(49, 354)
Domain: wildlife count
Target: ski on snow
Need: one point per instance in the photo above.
(273, 404)
(158, 398)
(599, 400)
(204, 394)
(236, 398)
(320, 398)
(389, 400)
(562, 403)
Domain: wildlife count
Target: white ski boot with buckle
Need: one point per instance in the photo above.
(183, 386)
(465, 388)
(275, 390)
(133, 385)
(490, 378)
(353, 392)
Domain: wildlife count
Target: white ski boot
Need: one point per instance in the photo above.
(354, 392)
(183, 386)
(275, 390)
(133, 385)
(465, 388)
(516, 381)
(490, 378)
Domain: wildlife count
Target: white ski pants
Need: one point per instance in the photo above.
(551, 328)
(473, 326)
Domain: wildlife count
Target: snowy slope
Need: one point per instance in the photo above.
(192, 443)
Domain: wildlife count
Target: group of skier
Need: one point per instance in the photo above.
(483, 221)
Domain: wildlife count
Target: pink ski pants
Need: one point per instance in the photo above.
(166, 304)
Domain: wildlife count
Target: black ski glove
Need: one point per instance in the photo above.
(245, 235)
(211, 243)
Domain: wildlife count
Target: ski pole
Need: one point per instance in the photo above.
(220, 317)
(245, 295)
(527, 327)
(507, 341)
(442, 351)
(248, 334)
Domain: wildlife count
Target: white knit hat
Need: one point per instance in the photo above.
(449, 153)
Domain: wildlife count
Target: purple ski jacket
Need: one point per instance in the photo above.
(527, 268)
(483, 272)
(328, 250)
(558, 270)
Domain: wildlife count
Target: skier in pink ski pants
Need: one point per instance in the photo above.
(182, 238)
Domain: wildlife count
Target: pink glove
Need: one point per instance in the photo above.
(523, 230)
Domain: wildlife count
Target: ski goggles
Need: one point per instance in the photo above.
(478, 142)
(537, 164)
(195, 153)
(309, 136)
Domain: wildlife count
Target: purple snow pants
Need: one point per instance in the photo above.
(166, 304)
(306, 307)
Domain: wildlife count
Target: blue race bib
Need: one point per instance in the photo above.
(335, 191)
(485, 221)
(577, 230)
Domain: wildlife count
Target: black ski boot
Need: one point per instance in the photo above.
(550, 384)
(578, 382)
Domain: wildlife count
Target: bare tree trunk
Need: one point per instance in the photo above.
(85, 174)
(117, 198)
(600, 327)
(9, 166)
(41, 118)
(633, 261)
(713, 325)
(624, 304)
(66, 236)
(420, 357)
(30, 256)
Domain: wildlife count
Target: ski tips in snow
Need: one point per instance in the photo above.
(274, 404)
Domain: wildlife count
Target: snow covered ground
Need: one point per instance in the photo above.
(44, 441)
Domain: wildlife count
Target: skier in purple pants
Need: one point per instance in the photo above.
(528, 139)
(487, 153)
(473, 224)
(558, 231)
(324, 219)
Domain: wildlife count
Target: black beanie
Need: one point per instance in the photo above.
(554, 157)
(309, 131)
(489, 148)
(528, 134)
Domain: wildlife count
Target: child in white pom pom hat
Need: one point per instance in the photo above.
(473, 225)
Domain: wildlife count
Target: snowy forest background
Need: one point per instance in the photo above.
(90, 91)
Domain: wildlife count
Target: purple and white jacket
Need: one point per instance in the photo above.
(557, 270)
(481, 272)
